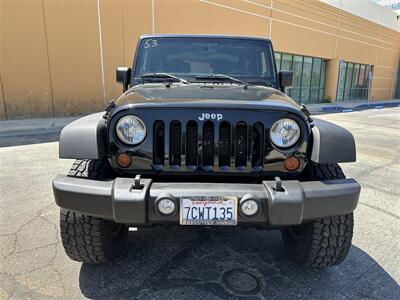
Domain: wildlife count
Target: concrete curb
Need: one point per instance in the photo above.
(32, 131)
(375, 105)
(34, 126)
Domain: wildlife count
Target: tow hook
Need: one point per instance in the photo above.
(136, 184)
(278, 185)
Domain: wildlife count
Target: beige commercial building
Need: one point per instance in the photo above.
(58, 57)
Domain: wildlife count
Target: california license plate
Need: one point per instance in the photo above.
(208, 211)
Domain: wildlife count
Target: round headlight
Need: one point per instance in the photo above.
(131, 130)
(285, 133)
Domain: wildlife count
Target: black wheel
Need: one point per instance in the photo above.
(87, 238)
(326, 241)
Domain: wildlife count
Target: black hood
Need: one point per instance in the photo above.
(156, 93)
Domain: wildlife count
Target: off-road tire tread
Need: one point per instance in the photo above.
(87, 238)
(91, 169)
(327, 171)
(330, 240)
(327, 241)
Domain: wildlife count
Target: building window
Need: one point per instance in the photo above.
(397, 93)
(353, 81)
(308, 76)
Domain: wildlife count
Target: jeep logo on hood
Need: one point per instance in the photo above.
(208, 116)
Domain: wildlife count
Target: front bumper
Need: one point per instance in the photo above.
(130, 201)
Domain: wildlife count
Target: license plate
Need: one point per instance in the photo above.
(208, 211)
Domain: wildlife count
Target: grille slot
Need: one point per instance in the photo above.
(224, 144)
(175, 144)
(241, 145)
(208, 144)
(191, 143)
(158, 143)
(267, 143)
(258, 143)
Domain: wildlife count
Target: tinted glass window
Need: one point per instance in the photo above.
(348, 81)
(316, 73)
(353, 82)
(322, 82)
(342, 70)
(306, 80)
(308, 76)
(315, 79)
(186, 57)
(286, 61)
(397, 94)
(355, 87)
(278, 60)
(297, 70)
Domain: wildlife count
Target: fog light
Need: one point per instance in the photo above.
(291, 163)
(124, 160)
(249, 208)
(166, 206)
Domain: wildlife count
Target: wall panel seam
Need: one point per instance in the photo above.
(323, 7)
(332, 34)
(235, 9)
(4, 97)
(101, 52)
(258, 4)
(153, 17)
(382, 66)
(332, 26)
(337, 33)
(379, 34)
(375, 26)
(294, 24)
(270, 20)
(48, 60)
(379, 77)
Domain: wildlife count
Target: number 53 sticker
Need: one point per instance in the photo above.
(150, 43)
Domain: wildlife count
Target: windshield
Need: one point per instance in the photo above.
(193, 58)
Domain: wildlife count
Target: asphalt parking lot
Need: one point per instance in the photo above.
(192, 263)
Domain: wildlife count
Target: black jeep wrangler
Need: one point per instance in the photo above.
(204, 135)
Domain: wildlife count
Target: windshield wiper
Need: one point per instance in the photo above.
(165, 76)
(220, 77)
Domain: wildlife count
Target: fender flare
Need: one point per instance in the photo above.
(331, 143)
(85, 138)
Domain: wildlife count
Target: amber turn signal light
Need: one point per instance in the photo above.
(291, 163)
(124, 160)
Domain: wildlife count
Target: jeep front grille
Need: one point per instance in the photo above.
(209, 145)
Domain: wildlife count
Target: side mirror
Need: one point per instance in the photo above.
(123, 77)
(285, 79)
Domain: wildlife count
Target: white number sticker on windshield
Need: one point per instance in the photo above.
(150, 43)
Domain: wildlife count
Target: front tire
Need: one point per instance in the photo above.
(87, 238)
(323, 242)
